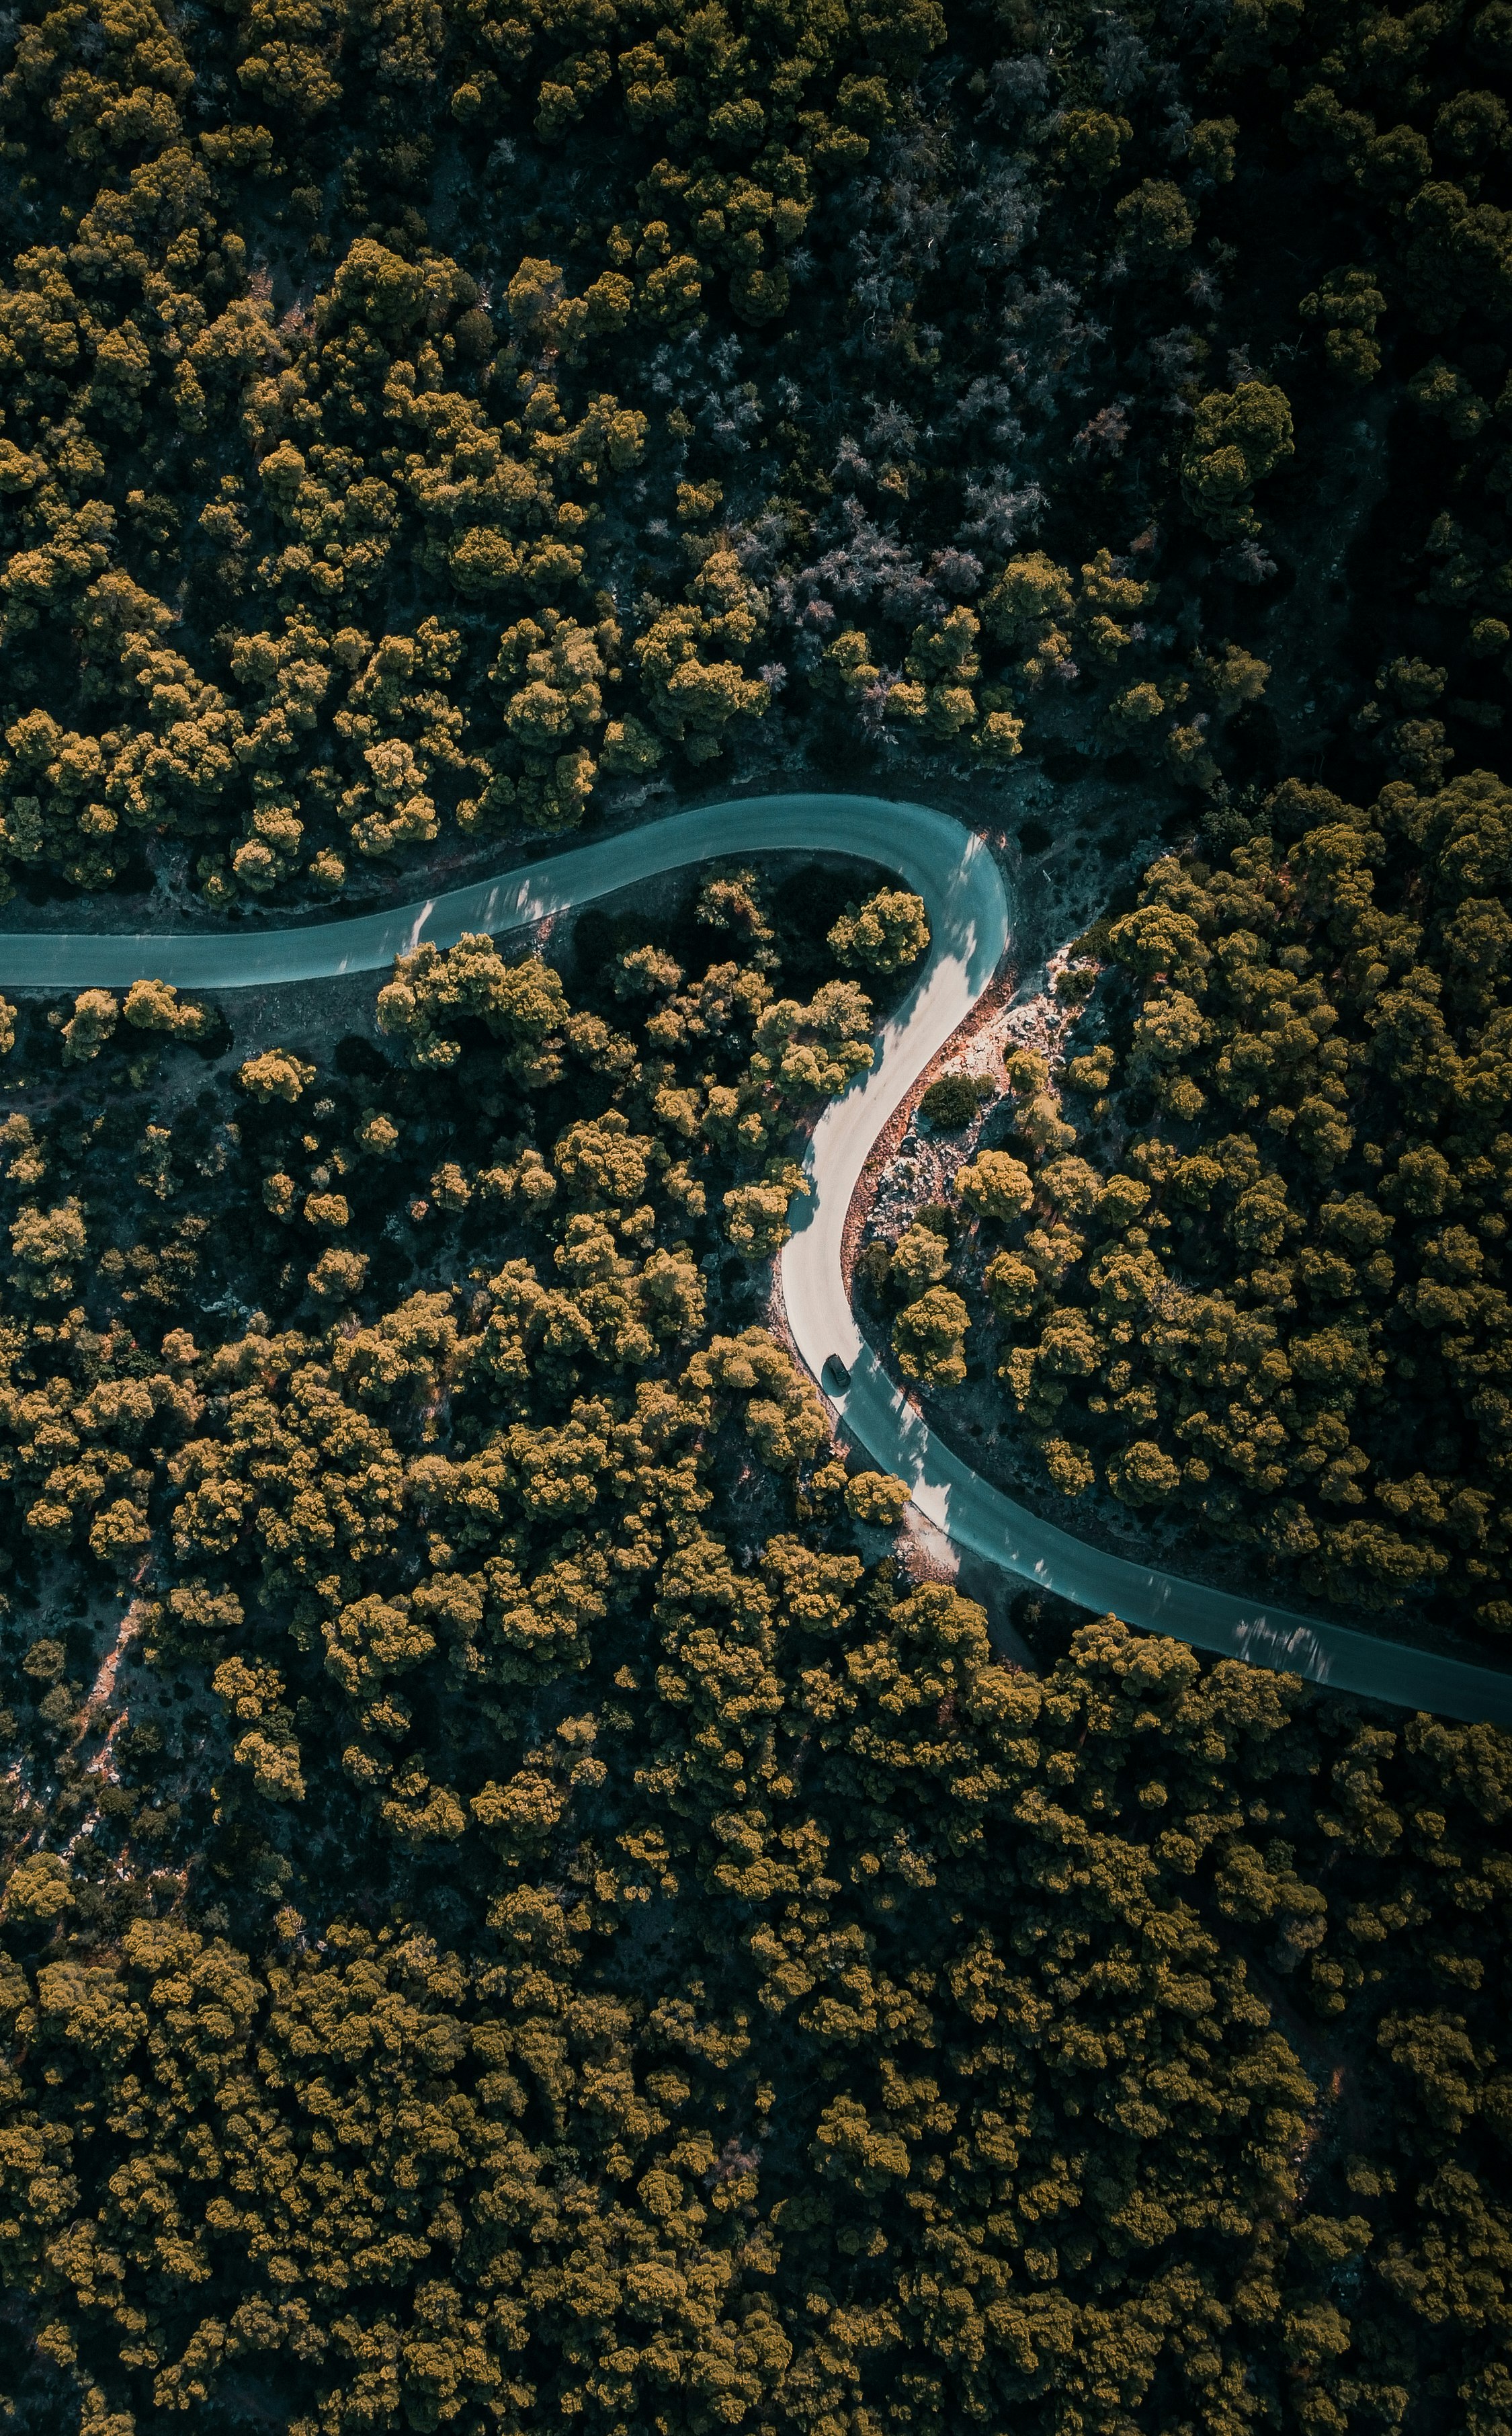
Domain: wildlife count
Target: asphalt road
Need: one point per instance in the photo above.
(949, 866)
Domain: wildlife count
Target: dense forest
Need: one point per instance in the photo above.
(522, 1898)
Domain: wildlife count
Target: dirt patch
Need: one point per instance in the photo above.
(926, 1170)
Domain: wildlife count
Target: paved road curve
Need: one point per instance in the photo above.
(970, 921)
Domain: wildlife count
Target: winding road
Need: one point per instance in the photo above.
(950, 867)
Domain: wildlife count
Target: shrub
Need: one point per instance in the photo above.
(954, 1101)
(995, 1185)
(929, 1338)
(276, 1075)
(337, 1275)
(877, 1497)
(890, 932)
(91, 1025)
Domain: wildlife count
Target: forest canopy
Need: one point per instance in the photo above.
(518, 1902)
(524, 1896)
(374, 476)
